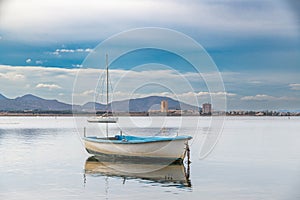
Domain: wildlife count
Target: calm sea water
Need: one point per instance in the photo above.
(255, 158)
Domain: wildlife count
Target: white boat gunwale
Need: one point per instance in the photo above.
(118, 139)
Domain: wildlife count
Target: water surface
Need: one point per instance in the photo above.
(256, 158)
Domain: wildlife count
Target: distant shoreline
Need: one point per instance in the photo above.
(143, 114)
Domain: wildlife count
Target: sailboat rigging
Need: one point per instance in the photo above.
(105, 118)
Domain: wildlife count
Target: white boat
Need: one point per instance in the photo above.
(104, 118)
(145, 148)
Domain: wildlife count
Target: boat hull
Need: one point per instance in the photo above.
(169, 150)
(103, 120)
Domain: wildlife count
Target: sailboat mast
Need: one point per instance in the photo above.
(106, 84)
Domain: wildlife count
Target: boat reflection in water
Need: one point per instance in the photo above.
(175, 174)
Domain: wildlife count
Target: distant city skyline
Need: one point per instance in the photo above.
(254, 44)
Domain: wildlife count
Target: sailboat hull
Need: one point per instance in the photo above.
(103, 120)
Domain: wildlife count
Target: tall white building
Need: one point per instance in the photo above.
(164, 106)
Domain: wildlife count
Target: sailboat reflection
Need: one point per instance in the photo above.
(176, 175)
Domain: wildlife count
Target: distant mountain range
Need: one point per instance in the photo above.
(31, 102)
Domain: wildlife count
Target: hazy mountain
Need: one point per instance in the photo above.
(93, 106)
(149, 103)
(3, 97)
(31, 102)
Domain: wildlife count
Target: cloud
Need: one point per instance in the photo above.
(215, 94)
(38, 62)
(255, 82)
(12, 76)
(76, 65)
(58, 51)
(175, 95)
(40, 81)
(48, 86)
(28, 60)
(85, 93)
(295, 86)
(46, 81)
(265, 97)
(255, 18)
(258, 97)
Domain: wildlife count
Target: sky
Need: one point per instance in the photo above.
(255, 46)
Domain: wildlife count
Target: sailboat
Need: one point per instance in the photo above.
(146, 148)
(105, 118)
